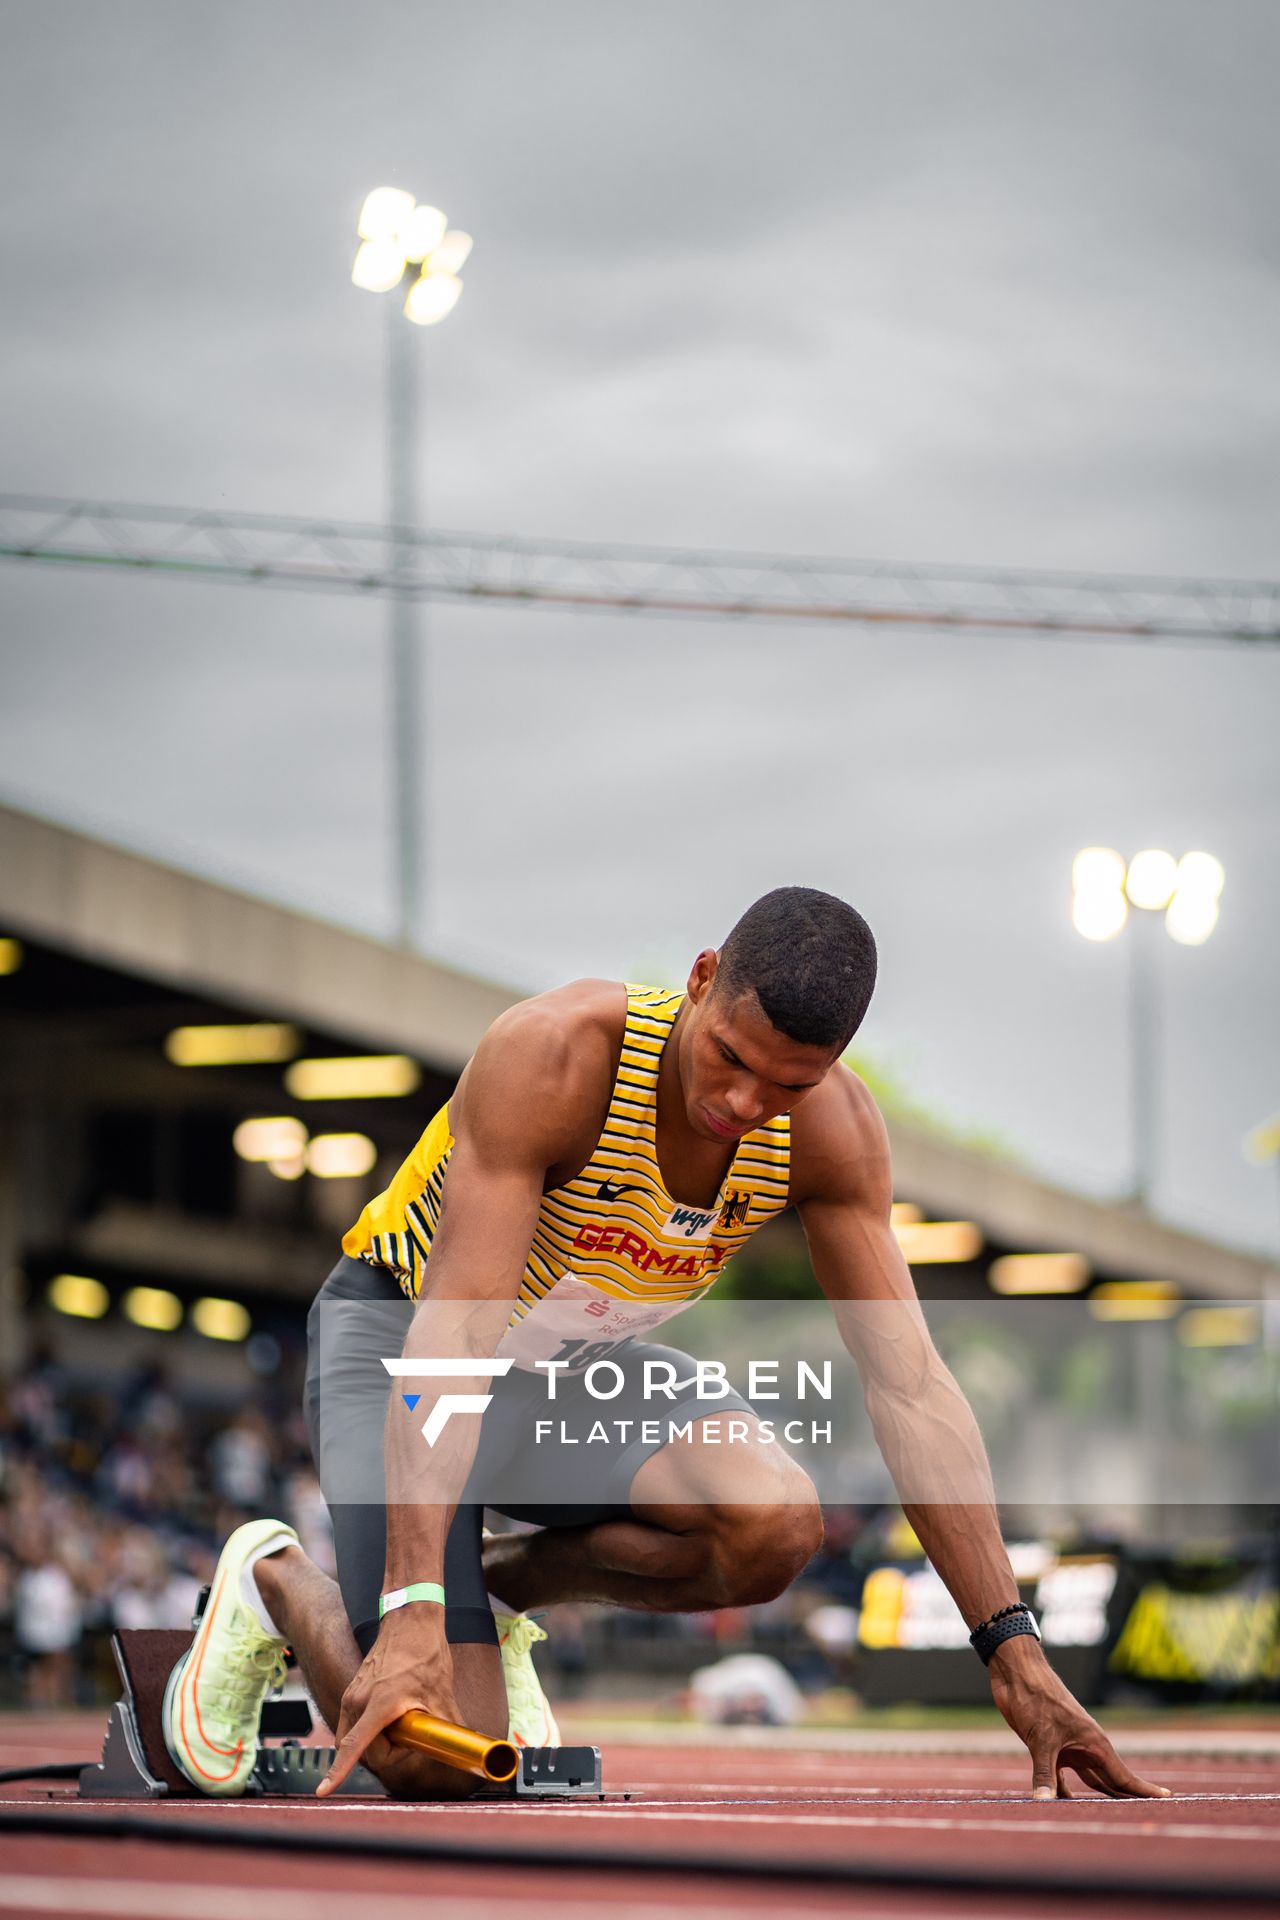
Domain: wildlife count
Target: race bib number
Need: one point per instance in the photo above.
(578, 1324)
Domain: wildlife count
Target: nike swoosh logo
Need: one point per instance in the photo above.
(607, 1191)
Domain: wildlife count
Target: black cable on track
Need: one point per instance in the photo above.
(56, 1770)
(703, 1866)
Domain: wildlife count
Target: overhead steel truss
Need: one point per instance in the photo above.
(356, 557)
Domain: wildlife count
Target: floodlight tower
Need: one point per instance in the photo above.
(406, 245)
(1187, 893)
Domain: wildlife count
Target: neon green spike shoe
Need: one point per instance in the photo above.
(213, 1700)
(532, 1723)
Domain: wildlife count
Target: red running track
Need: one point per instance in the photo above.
(960, 1811)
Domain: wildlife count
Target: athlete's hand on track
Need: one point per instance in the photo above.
(408, 1667)
(1056, 1729)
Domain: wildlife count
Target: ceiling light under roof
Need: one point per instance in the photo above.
(152, 1307)
(1134, 1300)
(290, 1166)
(270, 1137)
(381, 1076)
(341, 1156)
(1032, 1273)
(78, 1295)
(1220, 1326)
(939, 1242)
(262, 1042)
(221, 1319)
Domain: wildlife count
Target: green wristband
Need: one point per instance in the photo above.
(401, 1596)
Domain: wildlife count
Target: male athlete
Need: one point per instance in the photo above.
(607, 1148)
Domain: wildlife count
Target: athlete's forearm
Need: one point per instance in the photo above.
(934, 1451)
(965, 1545)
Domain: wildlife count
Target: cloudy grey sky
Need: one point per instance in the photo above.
(919, 279)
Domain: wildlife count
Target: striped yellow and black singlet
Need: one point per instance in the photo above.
(614, 1225)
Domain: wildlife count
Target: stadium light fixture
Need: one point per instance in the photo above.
(78, 1295)
(1134, 1300)
(260, 1043)
(221, 1319)
(341, 1156)
(288, 1166)
(1224, 1326)
(1187, 893)
(432, 298)
(273, 1137)
(422, 233)
(1152, 879)
(379, 265)
(384, 1076)
(385, 213)
(1098, 906)
(1039, 1273)
(452, 253)
(939, 1242)
(152, 1307)
(1193, 910)
(413, 248)
(395, 234)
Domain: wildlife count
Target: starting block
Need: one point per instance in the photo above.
(137, 1765)
(559, 1773)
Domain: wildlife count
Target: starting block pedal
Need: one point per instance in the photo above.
(559, 1773)
(292, 1769)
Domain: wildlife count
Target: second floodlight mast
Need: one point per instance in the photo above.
(1186, 892)
(410, 247)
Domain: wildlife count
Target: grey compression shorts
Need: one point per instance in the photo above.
(358, 1319)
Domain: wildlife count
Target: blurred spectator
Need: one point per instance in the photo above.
(47, 1625)
(137, 1491)
(746, 1690)
(241, 1457)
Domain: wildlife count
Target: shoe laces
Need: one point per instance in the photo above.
(253, 1666)
(522, 1635)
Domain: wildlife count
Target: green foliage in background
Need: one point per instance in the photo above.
(895, 1099)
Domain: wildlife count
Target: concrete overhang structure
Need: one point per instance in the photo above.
(202, 944)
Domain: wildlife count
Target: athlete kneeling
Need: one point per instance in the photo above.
(606, 1151)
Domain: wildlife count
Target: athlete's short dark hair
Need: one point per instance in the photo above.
(810, 960)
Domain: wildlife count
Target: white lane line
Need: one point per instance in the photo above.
(1008, 1799)
(779, 1812)
(733, 1812)
(1149, 1830)
(29, 1893)
(737, 1793)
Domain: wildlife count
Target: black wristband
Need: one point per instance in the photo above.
(1002, 1626)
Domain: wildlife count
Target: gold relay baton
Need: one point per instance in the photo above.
(457, 1746)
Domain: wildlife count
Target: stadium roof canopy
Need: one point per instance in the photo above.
(111, 1154)
(112, 907)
